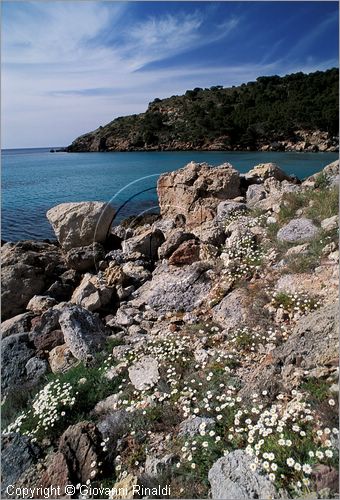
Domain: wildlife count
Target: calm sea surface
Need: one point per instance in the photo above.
(34, 180)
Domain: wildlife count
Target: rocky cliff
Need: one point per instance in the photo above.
(191, 354)
(297, 112)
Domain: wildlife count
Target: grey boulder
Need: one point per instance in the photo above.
(175, 289)
(297, 231)
(84, 333)
(231, 478)
(15, 352)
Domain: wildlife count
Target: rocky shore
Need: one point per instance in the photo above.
(193, 352)
(308, 141)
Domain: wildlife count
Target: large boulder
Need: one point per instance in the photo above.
(265, 170)
(84, 333)
(80, 445)
(77, 459)
(28, 268)
(297, 231)
(91, 293)
(232, 477)
(15, 352)
(18, 453)
(175, 289)
(195, 191)
(81, 224)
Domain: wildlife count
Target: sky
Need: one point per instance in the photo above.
(71, 66)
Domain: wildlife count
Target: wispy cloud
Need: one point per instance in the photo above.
(69, 67)
(307, 40)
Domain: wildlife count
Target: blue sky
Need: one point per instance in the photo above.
(68, 67)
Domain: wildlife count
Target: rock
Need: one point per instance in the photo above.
(40, 303)
(312, 344)
(18, 324)
(165, 225)
(265, 170)
(18, 453)
(326, 477)
(135, 330)
(191, 426)
(173, 242)
(255, 193)
(107, 405)
(80, 224)
(114, 424)
(187, 253)
(34, 265)
(330, 223)
(227, 208)
(80, 445)
(47, 322)
(201, 355)
(91, 293)
(61, 292)
(120, 351)
(114, 275)
(15, 352)
(85, 258)
(125, 487)
(208, 252)
(298, 250)
(231, 477)
(144, 373)
(45, 342)
(297, 230)
(136, 273)
(146, 243)
(125, 316)
(233, 310)
(124, 293)
(61, 359)
(331, 173)
(84, 333)
(173, 289)
(210, 232)
(155, 466)
(56, 474)
(195, 191)
(36, 368)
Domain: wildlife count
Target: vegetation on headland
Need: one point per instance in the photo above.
(294, 112)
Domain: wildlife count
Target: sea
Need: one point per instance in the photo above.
(34, 180)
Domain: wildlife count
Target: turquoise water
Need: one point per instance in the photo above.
(34, 180)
